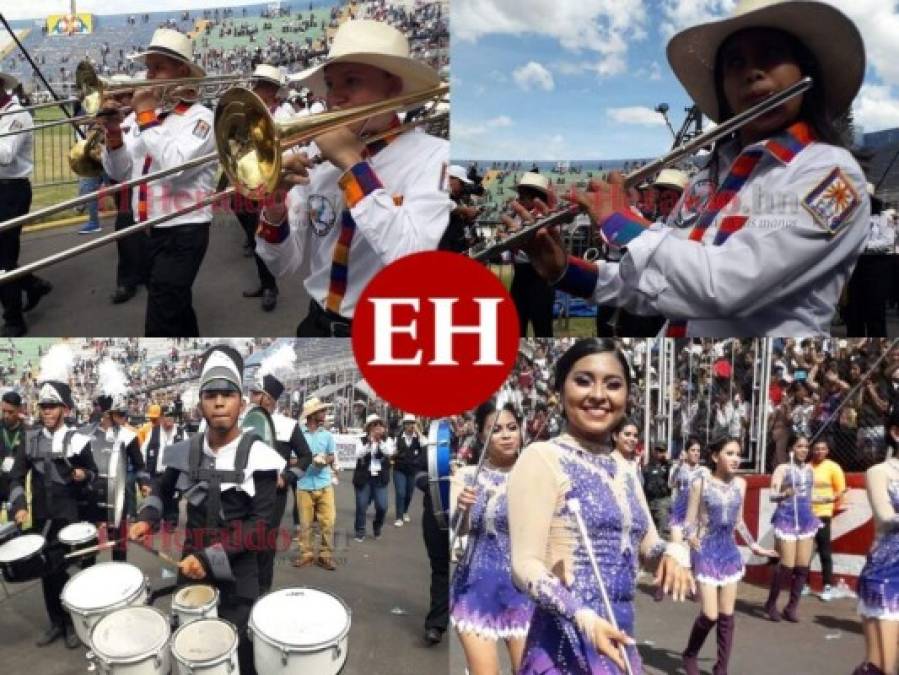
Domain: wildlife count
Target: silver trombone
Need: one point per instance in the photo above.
(634, 178)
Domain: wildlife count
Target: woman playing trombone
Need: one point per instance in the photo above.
(780, 211)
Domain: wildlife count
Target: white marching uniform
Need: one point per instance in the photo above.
(181, 135)
(16, 151)
(407, 215)
(780, 274)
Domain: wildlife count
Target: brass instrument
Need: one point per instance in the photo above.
(636, 177)
(250, 142)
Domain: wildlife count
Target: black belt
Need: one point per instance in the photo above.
(331, 322)
(13, 181)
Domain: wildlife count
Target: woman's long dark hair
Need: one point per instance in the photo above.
(828, 127)
(481, 414)
(586, 347)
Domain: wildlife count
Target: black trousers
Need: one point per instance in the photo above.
(633, 325)
(533, 299)
(266, 556)
(15, 200)
(868, 292)
(53, 583)
(132, 267)
(249, 221)
(237, 611)
(175, 256)
(319, 322)
(437, 544)
(822, 541)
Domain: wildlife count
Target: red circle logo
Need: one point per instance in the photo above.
(435, 334)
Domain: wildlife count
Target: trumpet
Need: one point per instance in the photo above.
(636, 177)
(250, 142)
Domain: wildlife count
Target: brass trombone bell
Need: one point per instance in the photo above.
(250, 142)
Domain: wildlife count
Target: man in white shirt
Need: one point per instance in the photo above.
(16, 164)
(367, 204)
(161, 140)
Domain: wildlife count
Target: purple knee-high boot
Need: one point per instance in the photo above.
(725, 643)
(701, 628)
(800, 574)
(868, 668)
(781, 578)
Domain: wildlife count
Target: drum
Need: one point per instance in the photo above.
(297, 631)
(205, 646)
(132, 641)
(110, 487)
(99, 590)
(78, 536)
(28, 557)
(439, 439)
(8, 531)
(194, 602)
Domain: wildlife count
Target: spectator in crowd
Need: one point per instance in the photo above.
(372, 474)
(315, 490)
(655, 485)
(829, 487)
(410, 458)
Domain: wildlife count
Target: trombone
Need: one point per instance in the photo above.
(250, 142)
(301, 130)
(723, 130)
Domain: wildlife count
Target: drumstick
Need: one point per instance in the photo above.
(168, 560)
(575, 507)
(92, 549)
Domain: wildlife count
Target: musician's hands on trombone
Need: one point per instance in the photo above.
(341, 146)
(674, 579)
(545, 250)
(110, 122)
(603, 636)
(144, 99)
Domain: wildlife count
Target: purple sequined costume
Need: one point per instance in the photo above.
(554, 644)
(793, 518)
(683, 477)
(878, 583)
(718, 561)
(483, 598)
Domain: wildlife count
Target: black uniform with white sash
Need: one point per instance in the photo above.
(52, 460)
(230, 495)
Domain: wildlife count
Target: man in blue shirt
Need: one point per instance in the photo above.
(315, 491)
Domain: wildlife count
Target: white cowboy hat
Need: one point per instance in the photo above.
(535, 181)
(175, 45)
(408, 418)
(371, 419)
(373, 43)
(825, 31)
(313, 405)
(271, 74)
(118, 78)
(671, 178)
(456, 171)
(8, 82)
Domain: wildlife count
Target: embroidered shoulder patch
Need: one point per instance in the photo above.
(833, 201)
(201, 129)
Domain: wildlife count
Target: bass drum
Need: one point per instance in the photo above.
(439, 439)
(104, 500)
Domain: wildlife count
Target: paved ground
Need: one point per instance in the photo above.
(384, 582)
(79, 304)
(827, 641)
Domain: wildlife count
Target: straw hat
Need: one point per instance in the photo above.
(371, 419)
(372, 43)
(535, 181)
(826, 32)
(154, 411)
(674, 179)
(271, 74)
(175, 45)
(8, 82)
(313, 405)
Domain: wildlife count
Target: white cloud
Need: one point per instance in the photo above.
(542, 147)
(604, 27)
(680, 14)
(533, 76)
(467, 131)
(639, 115)
(501, 121)
(655, 71)
(876, 108)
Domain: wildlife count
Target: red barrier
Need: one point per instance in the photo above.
(852, 531)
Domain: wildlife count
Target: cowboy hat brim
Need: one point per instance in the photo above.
(9, 82)
(195, 69)
(416, 76)
(316, 408)
(831, 37)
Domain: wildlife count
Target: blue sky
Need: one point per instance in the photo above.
(579, 79)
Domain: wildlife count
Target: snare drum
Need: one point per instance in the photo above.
(99, 590)
(194, 602)
(28, 557)
(78, 536)
(439, 469)
(132, 641)
(297, 631)
(206, 646)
